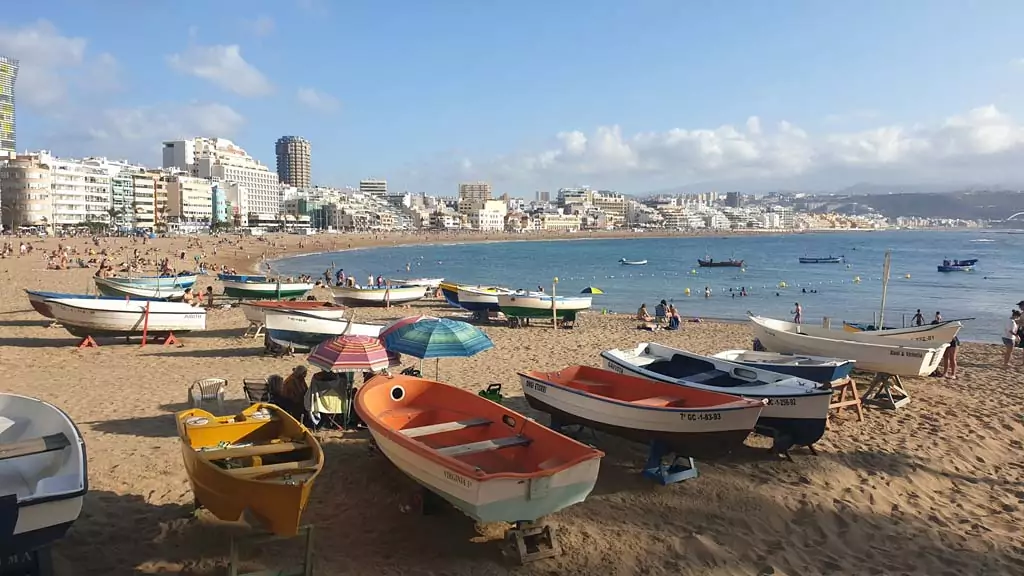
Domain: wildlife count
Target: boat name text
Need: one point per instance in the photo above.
(782, 401)
(690, 417)
(906, 353)
(458, 479)
(537, 386)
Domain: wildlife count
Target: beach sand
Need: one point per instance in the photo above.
(936, 488)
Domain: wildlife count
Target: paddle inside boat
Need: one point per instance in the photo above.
(261, 461)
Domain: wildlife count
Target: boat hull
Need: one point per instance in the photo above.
(276, 505)
(303, 331)
(266, 290)
(955, 268)
(699, 433)
(721, 264)
(931, 333)
(39, 510)
(425, 283)
(450, 292)
(126, 288)
(377, 297)
(527, 306)
(125, 318)
(479, 300)
(806, 367)
(871, 353)
(798, 415)
(38, 300)
(821, 260)
(257, 311)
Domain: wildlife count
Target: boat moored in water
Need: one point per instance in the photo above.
(711, 263)
(828, 260)
(625, 262)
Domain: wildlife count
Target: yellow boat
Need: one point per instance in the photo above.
(261, 461)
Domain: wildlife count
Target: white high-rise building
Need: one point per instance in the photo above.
(189, 199)
(372, 187)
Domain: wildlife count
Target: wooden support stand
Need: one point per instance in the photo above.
(664, 472)
(305, 532)
(88, 342)
(254, 330)
(529, 542)
(168, 340)
(845, 387)
(887, 391)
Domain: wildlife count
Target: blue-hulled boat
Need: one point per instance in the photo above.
(241, 278)
(813, 368)
(37, 299)
(450, 291)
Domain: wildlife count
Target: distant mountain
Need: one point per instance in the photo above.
(967, 205)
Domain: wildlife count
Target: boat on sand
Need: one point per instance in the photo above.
(493, 464)
(126, 287)
(256, 311)
(691, 422)
(941, 332)
(43, 474)
(120, 317)
(813, 368)
(303, 331)
(255, 288)
(535, 305)
(261, 461)
(37, 299)
(377, 296)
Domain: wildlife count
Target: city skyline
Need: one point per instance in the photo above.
(654, 96)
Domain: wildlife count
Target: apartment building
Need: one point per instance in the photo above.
(486, 215)
(558, 222)
(26, 197)
(144, 186)
(293, 161)
(374, 187)
(8, 128)
(189, 199)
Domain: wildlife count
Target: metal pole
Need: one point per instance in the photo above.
(885, 286)
(554, 308)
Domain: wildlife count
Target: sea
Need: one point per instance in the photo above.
(772, 277)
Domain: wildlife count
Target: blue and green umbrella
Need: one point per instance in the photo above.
(437, 338)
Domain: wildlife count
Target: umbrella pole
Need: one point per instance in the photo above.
(437, 369)
(554, 308)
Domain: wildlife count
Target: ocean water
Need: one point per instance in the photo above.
(986, 294)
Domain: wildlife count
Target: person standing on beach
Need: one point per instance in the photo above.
(1010, 336)
(798, 314)
(918, 319)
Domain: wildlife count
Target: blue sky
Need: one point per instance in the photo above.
(636, 96)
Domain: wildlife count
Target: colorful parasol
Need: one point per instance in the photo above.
(396, 324)
(353, 354)
(440, 338)
(591, 290)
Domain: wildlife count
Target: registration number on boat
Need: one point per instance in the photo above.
(906, 353)
(702, 416)
(782, 401)
(458, 479)
(537, 386)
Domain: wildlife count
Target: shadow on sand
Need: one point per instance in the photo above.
(25, 323)
(69, 342)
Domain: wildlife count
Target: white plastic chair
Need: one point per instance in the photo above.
(208, 390)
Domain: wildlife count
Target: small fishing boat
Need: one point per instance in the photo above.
(256, 311)
(377, 296)
(625, 262)
(242, 278)
(43, 476)
(493, 464)
(692, 422)
(944, 331)
(303, 331)
(711, 263)
(872, 352)
(182, 281)
(426, 283)
(37, 299)
(955, 266)
(266, 290)
(797, 409)
(813, 260)
(813, 368)
(535, 305)
(120, 317)
(450, 292)
(863, 326)
(261, 461)
(481, 298)
(127, 287)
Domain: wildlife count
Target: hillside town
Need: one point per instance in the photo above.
(212, 183)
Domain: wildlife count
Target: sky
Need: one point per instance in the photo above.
(635, 96)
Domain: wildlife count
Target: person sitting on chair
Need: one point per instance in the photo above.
(292, 395)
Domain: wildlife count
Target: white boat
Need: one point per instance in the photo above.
(625, 262)
(42, 474)
(303, 330)
(265, 290)
(129, 288)
(431, 283)
(256, 311)
(815, 368)
(390, 295)
(481, 298)
(84, 317)
(797, 408)
(536, 305)
(941, 332)
(872, 353)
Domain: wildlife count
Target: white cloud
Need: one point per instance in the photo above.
(224, 66)
(967, 145)
(261, 25)
(317, 100)
(1017, 62)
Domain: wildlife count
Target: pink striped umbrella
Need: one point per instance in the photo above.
(353, 354)
(396, 324)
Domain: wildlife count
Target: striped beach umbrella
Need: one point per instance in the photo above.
(396, 324)
(353, 354)
(439, 338)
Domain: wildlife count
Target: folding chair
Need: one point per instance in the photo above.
(256, 390)
(327, 404)
(208, 390)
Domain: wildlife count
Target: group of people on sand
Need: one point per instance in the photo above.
(1013, 334)
(663, 313)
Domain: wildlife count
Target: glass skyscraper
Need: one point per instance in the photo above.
(8, 131)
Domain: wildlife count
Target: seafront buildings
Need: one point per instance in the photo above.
(294, 159)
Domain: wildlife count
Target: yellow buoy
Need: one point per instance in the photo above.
(687, 292)
(907, 276)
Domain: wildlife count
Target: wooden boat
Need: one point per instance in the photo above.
(954, 268)
(692, 422)
(872, 353)
(261, 461)
(303, 331)
(829, 260)
(481, 298)
(426, 283)
(242, 278)
(522, 305)
(37, 299)
(968, 262)
(383, 296)
(95, 317)
(863, 326)
(813, 368)
(493, 464)
(797, 409)
(268, 290)
(256, 311)
(450, 292)
(625, 262)
(941, 332)
(127, 287)
(182, 281)
(710, 263)
(43, 475)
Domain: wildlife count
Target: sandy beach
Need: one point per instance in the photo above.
(936, 488)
